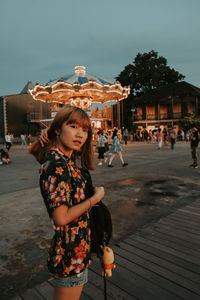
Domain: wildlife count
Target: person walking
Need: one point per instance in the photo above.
(126, 135)
(116, 148)
(8, 141)
(101, 141)
(23, 139)
(165, 136)
(172, 135)
(159, 136)
(194, 145)
(63, 189)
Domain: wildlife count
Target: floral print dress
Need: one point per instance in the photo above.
(61, 183)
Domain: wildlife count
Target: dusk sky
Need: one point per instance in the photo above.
(42, 40)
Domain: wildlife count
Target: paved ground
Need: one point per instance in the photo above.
(154, 183)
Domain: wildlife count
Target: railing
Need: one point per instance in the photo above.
(35, 116)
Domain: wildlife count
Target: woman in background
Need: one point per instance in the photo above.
(116, 149)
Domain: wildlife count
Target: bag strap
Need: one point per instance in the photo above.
(105, 286)
(99, 253)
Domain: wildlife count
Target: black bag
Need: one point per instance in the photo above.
(100, 219)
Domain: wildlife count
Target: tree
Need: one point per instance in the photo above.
(148, 72)
(189, 121)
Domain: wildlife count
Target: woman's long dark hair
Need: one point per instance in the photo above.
(114, 133)
(70, 115)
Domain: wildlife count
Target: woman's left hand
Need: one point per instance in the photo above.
(44, 139)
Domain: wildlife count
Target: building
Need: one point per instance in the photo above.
(167, 106)
(20, 113)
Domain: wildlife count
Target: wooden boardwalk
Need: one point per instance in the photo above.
(160, 261)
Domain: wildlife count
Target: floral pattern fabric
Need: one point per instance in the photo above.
(61, 183)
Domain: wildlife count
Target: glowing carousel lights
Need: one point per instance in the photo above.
(80, 89)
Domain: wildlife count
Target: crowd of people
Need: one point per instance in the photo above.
(25, 140)
(108, 142)
(115, 148)
(144, 135)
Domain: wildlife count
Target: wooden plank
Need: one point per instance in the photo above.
(181, 222)
(113, 290)
(163, 254)
(188, 237)
(177, 231)
(192, 213)
(183, 228)
(129, 282)
(183, 210)
(185, 257)
(135, 286)
(162, 262)
(195, 204)
(183, 215)
(185, 220)
(169, 241)
(90, 289)
(184, 286)
(186, 215)
(31, 294)
(172, 225)
(45, 289)
(86, 297)
(160, 286)
(192, 208)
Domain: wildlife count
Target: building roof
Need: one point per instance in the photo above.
(28, 86)
(179, 89)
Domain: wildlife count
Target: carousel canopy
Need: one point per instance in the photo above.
(80, 87)
(81, 77)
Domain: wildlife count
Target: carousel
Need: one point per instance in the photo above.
(93, 94)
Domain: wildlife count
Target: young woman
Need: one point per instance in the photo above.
(116, 148)
(159, 136)
(101, 147)
(63, 190)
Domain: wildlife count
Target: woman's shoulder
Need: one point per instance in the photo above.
(52, 160)
(53, 156)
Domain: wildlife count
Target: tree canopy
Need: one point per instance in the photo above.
(148, 72)
(189, 121)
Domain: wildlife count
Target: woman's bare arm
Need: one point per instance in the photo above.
(63, 215)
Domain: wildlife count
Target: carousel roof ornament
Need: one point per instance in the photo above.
(80, 87)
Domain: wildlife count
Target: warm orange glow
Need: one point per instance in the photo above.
(83, 94)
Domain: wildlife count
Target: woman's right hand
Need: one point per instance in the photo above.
(98, 194)
(44, 139)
